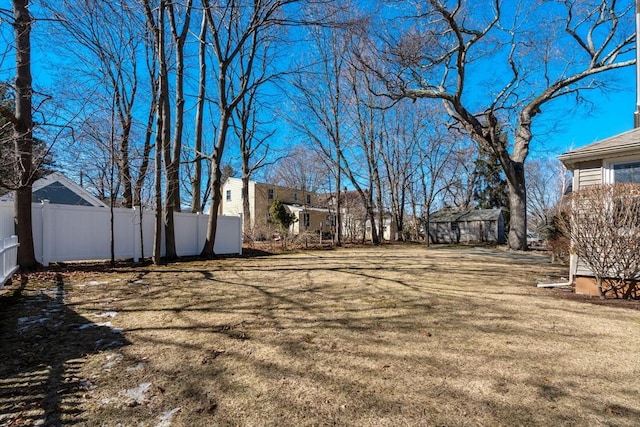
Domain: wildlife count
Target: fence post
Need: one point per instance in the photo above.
(3, 258)
(240, 234)
(46, 233)
(136, 234)
(197, 239)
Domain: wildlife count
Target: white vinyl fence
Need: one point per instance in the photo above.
(8, 258)
(75, 233)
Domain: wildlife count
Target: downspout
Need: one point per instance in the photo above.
(636, 115)
(573, 266)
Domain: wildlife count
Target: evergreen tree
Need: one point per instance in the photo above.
(42, 159)
(283, 218)
(490, 187)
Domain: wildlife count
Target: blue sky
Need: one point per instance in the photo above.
(613, 114)
(612, 111)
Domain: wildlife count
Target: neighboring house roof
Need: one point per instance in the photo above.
(617, 145)
(448, 215)
(59, 190)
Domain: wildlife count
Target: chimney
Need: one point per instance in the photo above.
(636, 115)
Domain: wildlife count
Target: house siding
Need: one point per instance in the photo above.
(232, 207)
(260, 203)
(589, 173)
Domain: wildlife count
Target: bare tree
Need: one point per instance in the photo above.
(196, 179)
(321, 104)
(156, 24)
(602, 222)
(301, 167)
(539, 59)
(237, 28)
(109, 36)
(249, 122)
(364, 166)
(21, 119)
(547, 181)
(172, 154)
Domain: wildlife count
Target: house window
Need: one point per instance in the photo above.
(306, 218)
(626, 172)
(454, 227)
(330, 221)
(228, 195)
(270, 194)
(295, 197)
(308, 199)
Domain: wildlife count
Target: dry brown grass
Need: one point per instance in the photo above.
(391, 336)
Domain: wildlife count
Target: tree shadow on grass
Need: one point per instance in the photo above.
(42, 343)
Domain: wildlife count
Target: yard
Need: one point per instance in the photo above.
(390, 336)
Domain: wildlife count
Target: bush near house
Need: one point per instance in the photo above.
(603, 222)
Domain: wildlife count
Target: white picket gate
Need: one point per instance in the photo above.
(76, 233)
(8, 258)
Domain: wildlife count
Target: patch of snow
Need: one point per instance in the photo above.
(26, 322)
(138, 367)
(165, 418)
(96, 283)
(136, 396)
(113, 360)
(106, 314)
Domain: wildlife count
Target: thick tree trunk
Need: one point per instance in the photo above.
(169, 165)
(124, 165)
(517, 207)
(23, 128)
(216, 187)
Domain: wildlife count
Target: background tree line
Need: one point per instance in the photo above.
(413, 106)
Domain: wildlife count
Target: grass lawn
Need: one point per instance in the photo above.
(390, 336)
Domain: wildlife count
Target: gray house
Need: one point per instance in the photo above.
(59, 190)
(611, 160)
(470, 226)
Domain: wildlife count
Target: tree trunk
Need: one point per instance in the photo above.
(216, 187)
(165, 113)
(518, 212)
(338, 204)
(196, 182)
(124, 164)
(23, 134)
(246, 208)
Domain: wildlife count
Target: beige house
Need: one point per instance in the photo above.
(615, 159)
(356, 226)
(310, 215)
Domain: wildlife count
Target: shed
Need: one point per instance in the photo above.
(469, 226)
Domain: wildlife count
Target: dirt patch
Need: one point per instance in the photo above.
(397, 335)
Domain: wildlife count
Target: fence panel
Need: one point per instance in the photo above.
(8, 258)
(75, 233)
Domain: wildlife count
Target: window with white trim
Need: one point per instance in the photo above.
(621, 170)
(626, 172)
(228, 195)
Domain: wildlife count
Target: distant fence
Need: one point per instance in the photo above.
(76, 233)
(8, 258)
